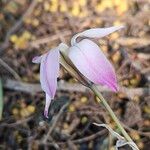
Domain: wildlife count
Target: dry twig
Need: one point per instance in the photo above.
(72, 87)
(12, 71)
(55, 122)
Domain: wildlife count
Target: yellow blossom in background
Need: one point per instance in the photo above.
(98, 21)
(82, 2)
(116, 57)
(13, 38)
(114, 36)
(46, 6)
(84, 120)
(118, 2)
(21, 43)
(75, 11)
(35, 22)
(26, 35)
(65, 125)
(107, 3)
(79, 7)
(31, 109)
(101, 6)
(27, 111)
(27, 21)
(15, 111)
(147, 109)
(135, 135)
(71, 108)
(22, 40)
(121, 6)
(83, 13)
(37, 12)
(135, 80)
(104, 48)
(63, 7)
(54, 6)
(118, 23)
(84, 99)
(24, 113)
(136, 99)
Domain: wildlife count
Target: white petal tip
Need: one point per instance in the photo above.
(46, 114)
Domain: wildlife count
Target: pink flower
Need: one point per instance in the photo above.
(49, 71)
(85, 55)
(90, 60)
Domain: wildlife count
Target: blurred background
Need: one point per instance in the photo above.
(30, 28)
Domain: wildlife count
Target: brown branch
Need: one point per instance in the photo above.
(89, 138)
(21, 121)
(78, 141)
(9, 69)
(48, 39)
(147, 134)
(133, 42)
(64, 86)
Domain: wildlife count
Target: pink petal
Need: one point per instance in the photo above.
(93, 64)
(49, 71)
(95, 33)
(48, 102)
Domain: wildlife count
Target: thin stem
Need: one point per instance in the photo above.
(98, 94)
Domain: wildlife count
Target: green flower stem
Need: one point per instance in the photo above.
(98, 94)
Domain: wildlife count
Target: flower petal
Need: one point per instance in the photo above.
(48, 102)
(49, 71)
(93, 64)
(95, 33)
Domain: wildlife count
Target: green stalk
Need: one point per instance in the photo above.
(98, 94)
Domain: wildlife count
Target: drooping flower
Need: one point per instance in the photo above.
(85, 55)
(49, 70)
(90, 60)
